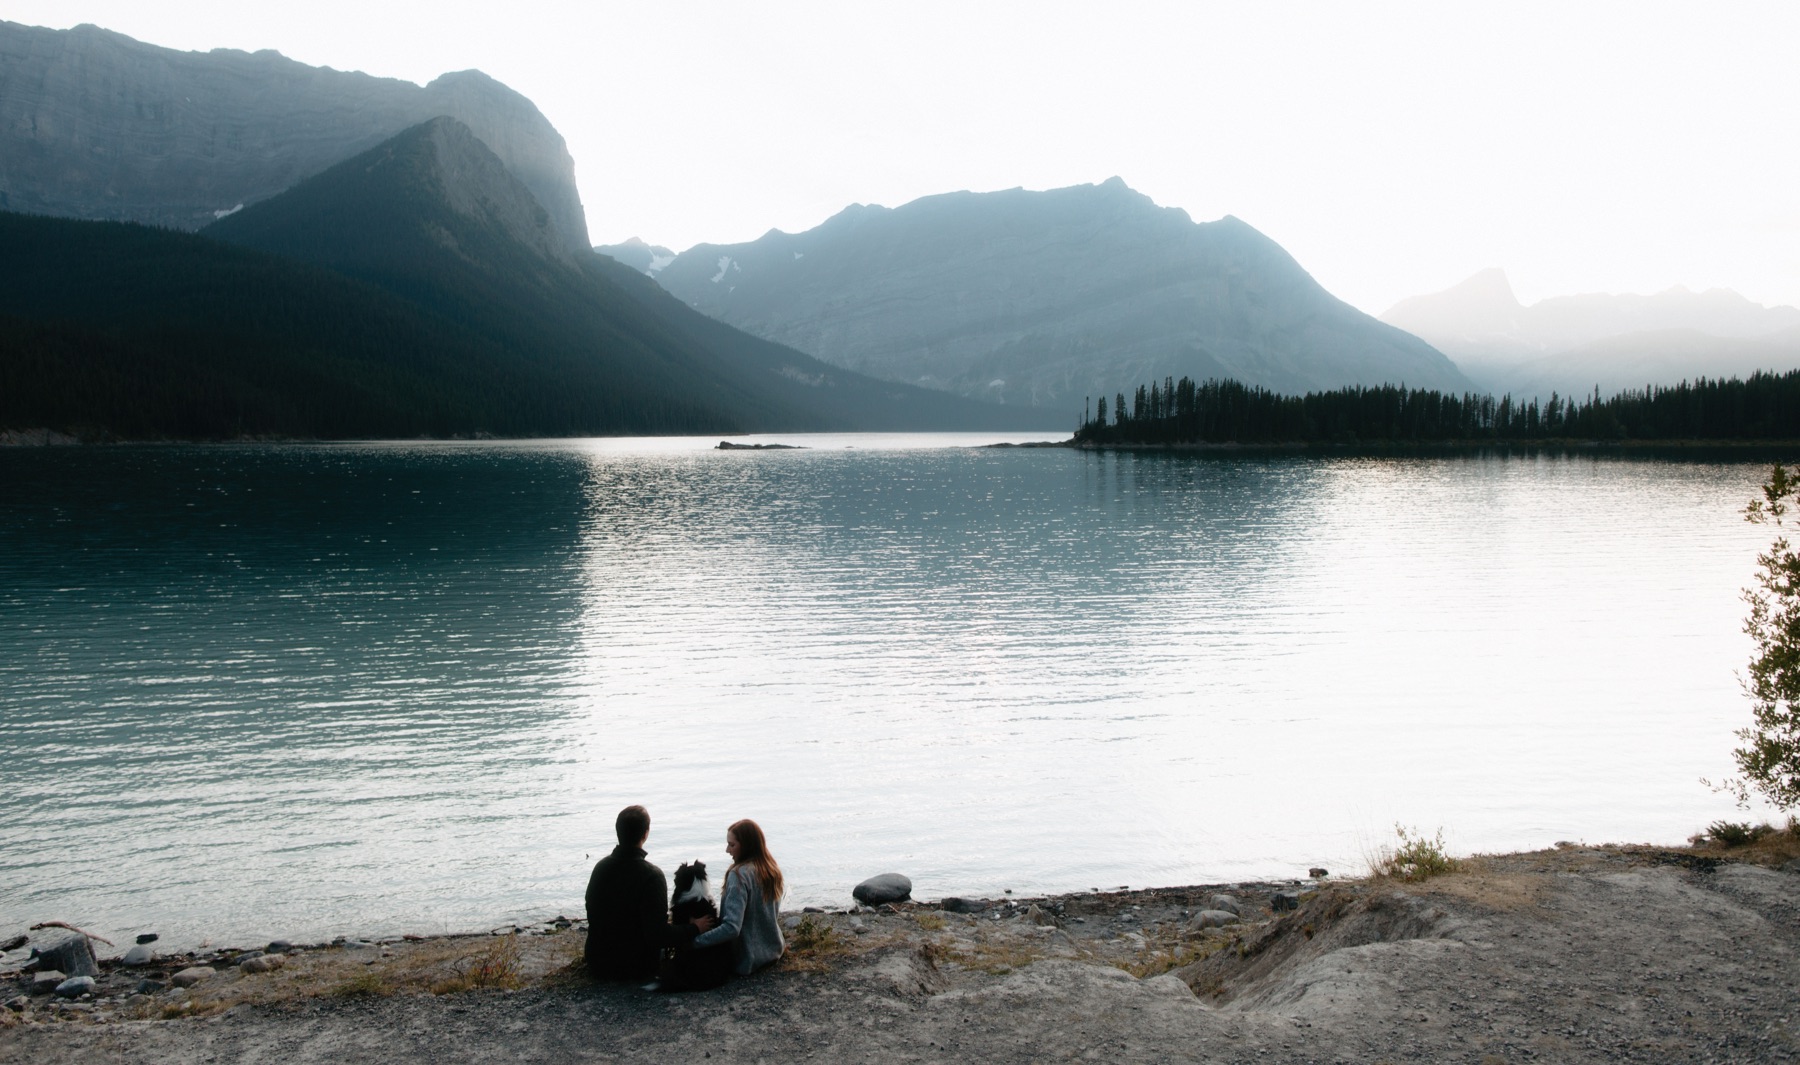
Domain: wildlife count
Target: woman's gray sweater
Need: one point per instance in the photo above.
(751, 923)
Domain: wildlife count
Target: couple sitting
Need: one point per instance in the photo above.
(630, 935)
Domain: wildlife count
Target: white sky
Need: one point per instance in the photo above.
(1393, 148)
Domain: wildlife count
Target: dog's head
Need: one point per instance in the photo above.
(690, 882)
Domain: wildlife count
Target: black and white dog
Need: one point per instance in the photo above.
(705, 967)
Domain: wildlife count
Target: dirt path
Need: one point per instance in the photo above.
(1573, 955)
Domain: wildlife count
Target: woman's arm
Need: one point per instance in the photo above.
(731, 911)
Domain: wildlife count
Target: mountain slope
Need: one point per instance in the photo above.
(96, 125)
(433, 216)
(1043, 298)
(120, 330)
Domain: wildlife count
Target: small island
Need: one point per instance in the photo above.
(726, 445)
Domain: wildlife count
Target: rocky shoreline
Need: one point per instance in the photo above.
(1571, 954)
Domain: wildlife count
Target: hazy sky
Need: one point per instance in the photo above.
(1393, 148)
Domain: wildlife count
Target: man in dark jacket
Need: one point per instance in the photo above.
(628, 907)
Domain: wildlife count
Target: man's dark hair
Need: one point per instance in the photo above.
(633, 825)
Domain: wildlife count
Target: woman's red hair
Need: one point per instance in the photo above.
(753, 851)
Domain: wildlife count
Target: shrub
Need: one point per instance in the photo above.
(1418, 857)
(1737, 833)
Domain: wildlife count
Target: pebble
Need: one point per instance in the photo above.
(192, 975)
(138, 1000)
(959, 905)
(278, 946)
(249, 955)
(75, 987)
(888, 887)
(17, 1003)
(149, 987)
(1284, 900)
(138, 955)
(45, 982)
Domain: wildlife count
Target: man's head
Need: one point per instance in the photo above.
(633, 826)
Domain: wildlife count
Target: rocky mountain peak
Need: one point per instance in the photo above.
(94, 124)
(435, 183)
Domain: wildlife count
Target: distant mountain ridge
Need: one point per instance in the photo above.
(648, 259)
(94, 124)
(1044, 298)
(1572, 343)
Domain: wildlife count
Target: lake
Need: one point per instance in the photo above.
(303, 690)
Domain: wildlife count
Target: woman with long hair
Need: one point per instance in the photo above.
(748, 917)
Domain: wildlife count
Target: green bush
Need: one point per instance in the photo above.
(1418, 857)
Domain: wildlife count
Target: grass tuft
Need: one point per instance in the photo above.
(368, 983)
(810, 946)
(497, 966)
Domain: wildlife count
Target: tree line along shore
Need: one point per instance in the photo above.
(1761, 410)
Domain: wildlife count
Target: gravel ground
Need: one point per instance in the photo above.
(1571, 955)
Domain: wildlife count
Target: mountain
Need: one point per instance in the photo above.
(418, 288)
(94, 124)
(648, 259)
(1505, 344)
(1044, 298)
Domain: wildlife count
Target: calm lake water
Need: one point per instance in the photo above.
(250, 691)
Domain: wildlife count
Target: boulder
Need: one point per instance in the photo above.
(44, 981)
(14, 943)
(64, 949)
(1212, 919)
(75, 987)
(262, 963)
(1040, 917)
(1228, 903)
(888, 887)
(192, 975)
(147, 937)
(248, 955)
(1284, 900)
(138, 955)
(278, 946)
(959, 905)
(149, 987)
(1318, 873)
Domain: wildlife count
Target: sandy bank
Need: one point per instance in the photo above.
(1574, 954)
